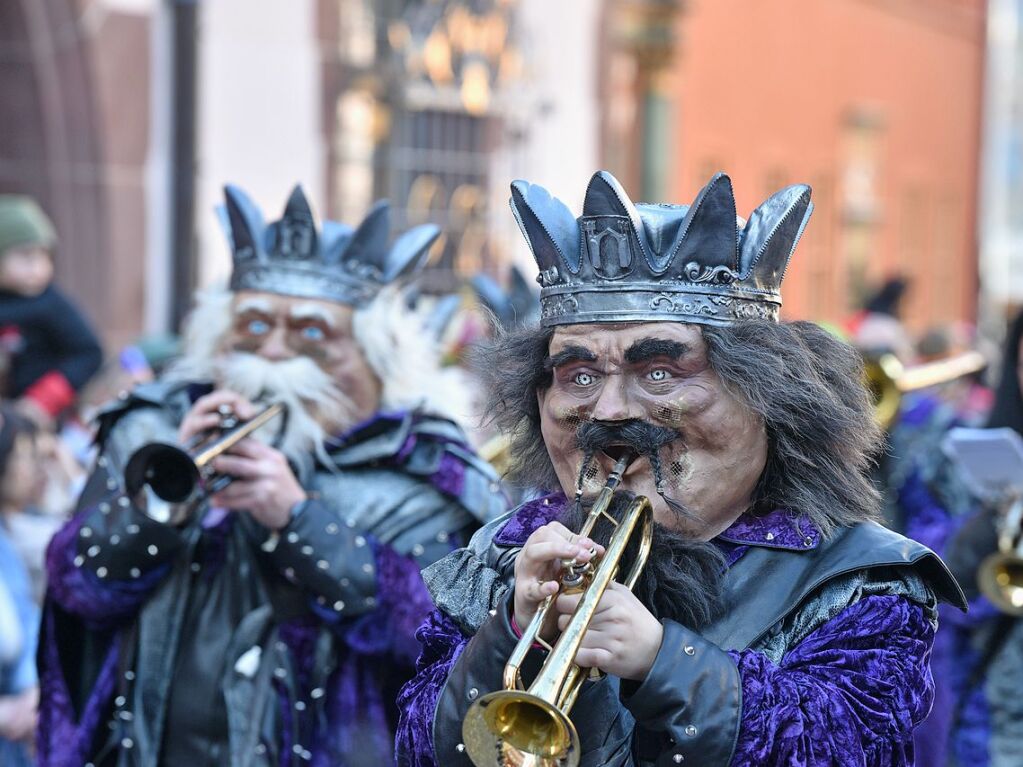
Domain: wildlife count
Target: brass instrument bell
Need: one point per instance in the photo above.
(888, 380)
(1000, 576)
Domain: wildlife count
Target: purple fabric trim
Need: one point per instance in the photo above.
(299, 635)
(80, 592)
(849, 694)
(926, 520)
(778, 530)
(357, 721)
(396, 416)
(530, 516)
(287, 724)
(378, 648)
(442, 643)
(450, 475)
(953, 659)
(973, 735)
(402, 604)
(61, 741)
(786, 531)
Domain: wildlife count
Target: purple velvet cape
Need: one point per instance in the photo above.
(849, 694)
(372, 647)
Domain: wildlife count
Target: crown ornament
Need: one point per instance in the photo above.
(626, 262)
(337, 262)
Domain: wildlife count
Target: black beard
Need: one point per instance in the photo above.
(682, 578)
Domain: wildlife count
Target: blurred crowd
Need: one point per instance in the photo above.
(54, 379)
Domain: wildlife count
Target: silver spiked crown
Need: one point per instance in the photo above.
(626, 262)
(335, 262)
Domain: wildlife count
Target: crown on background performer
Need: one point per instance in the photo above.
(621, 261)
(340, 263)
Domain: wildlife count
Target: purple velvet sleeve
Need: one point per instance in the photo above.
(402, 603)
(442, 643)
(849, 694)
(62, 738)
(80, 592)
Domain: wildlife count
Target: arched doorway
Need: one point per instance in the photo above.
(49, 144)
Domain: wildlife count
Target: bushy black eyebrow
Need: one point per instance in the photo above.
(571, 353)
(649, 348)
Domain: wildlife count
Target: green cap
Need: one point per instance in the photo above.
(22, 222)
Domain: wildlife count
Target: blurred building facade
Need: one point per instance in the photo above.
(874, 103)
(74, 132)
(126, 117)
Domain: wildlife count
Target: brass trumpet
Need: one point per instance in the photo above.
(174, 473)
(888, 380)
(531, 727)
(1000, 576)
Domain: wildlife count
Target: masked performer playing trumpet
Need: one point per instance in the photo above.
(269, 621)
(774, 622)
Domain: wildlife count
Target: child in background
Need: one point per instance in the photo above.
(19, 619)
(49, 349)
(27, 467)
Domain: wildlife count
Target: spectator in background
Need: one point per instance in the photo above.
(878, 328)
(27, 468)
(48, 349)
(978, 657)
(19, 626)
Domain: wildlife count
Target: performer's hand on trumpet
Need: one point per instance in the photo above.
(622, 639)
(538, 566)
(207, 412)
(264, 485)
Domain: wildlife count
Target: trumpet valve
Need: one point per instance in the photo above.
(577, 574)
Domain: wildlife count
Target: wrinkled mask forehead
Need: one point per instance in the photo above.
(646, 364)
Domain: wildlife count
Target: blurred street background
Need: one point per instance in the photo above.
(124, 118)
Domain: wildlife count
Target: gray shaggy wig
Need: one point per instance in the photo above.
(804, 383)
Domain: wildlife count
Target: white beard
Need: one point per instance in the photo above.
(398, 352)
(312, 399)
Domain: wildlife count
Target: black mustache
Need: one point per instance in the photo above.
(641, 437)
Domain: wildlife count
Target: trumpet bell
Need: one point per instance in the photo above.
(1000, 579)
(166, 469)
(511, 728)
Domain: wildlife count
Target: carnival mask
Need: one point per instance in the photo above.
(710, 448)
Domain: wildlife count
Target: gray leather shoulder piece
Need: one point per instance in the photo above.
(469, 582)
(171, 398)
(838, 594)
(140, 422)
(383, 443)
(433, 440)
(769, 584)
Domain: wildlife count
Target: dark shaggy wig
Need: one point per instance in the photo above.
(821, 433)
(805, 384)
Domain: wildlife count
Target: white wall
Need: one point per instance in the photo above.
(1000, 234)
(554, 110)
(259, 122)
